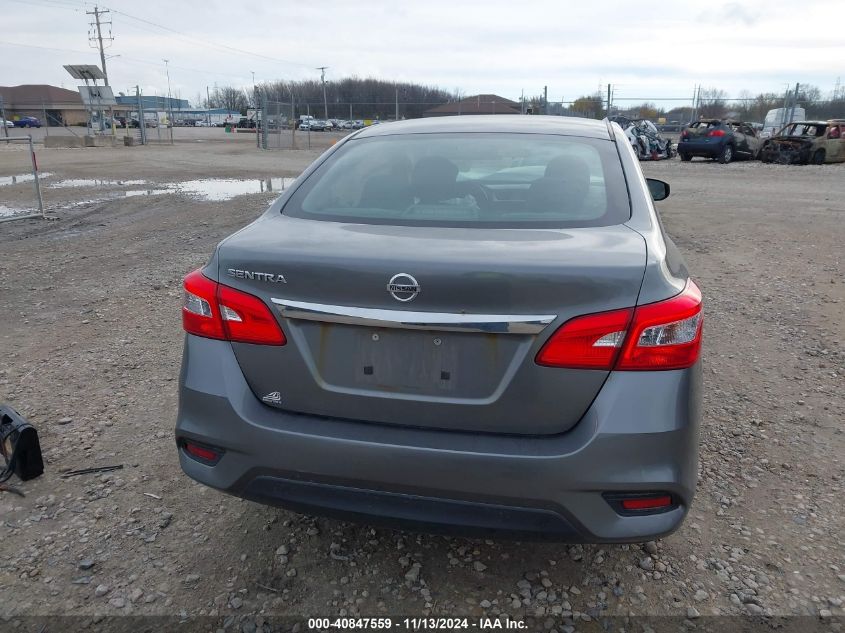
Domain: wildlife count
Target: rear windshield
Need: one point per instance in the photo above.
(490, 180)
(706, 125)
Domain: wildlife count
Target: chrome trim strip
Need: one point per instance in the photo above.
(406, 319)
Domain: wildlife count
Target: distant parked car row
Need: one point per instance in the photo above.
(801, 142)
(24, 121)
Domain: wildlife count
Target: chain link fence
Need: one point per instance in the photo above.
(277, 125)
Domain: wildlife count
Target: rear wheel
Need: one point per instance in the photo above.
(818, 157)
(685, 157)
(726, 155)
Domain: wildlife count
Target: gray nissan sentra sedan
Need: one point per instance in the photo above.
(470, 324)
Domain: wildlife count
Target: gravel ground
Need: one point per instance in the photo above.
(90, 348)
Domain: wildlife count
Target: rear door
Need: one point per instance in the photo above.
(751, 142)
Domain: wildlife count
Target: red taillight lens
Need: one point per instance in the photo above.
(666, 334)
(716, 133)
(588, 342)
(647, 503)
(216, 311)
(200, 313)
(684, 134)
(655, 336)
(202, 453)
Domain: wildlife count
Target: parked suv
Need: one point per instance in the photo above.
(472, 323)
(720, 140)
(803, 142)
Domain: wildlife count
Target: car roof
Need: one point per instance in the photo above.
(504, 123)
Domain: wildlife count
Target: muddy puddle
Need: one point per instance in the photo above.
(6, 181)
(212, 189)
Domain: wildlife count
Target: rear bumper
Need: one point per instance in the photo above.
(700, 148)
(640, 434)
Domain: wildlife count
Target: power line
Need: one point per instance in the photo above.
(209, 44)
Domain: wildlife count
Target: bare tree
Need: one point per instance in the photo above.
(712, 103)
(230, 98)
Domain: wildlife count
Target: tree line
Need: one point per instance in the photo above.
(372, 98)
(369, 98)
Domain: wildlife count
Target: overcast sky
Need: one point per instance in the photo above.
(647, 49)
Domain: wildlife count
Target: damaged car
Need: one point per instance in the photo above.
(720, 140)
(645, 138)
(807, 142)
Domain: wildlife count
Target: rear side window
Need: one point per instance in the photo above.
(472, 179)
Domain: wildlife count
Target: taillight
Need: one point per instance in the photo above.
(716, 133)
(216, 311)
(587, 342)
(684, 134)
(662, 335)
(666, 334)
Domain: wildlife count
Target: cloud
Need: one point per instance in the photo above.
(651, 50)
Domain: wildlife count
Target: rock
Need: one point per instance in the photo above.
(650, 547)
(190, 579)
(413, 574)
(101, 590)
(291, 572)
(64, 421)
(85, 564)
(485, 604)
(701, 595)
(647, 564)
(754, 609)
(236, 602)
(135, 595)
(479, 566)
(283, 550)
(118, 603)
(692, 613)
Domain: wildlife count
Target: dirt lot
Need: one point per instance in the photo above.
(89, 352)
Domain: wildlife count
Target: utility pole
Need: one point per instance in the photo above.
(207, 106)
(608, 100)
(322, 70)
(397, 103)
(97, 24)
(794, 103)
(545, 99)
(169, 101)
(142, 120)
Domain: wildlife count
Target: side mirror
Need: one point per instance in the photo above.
(659, 189)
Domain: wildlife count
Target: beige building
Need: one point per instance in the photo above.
(58, 105)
